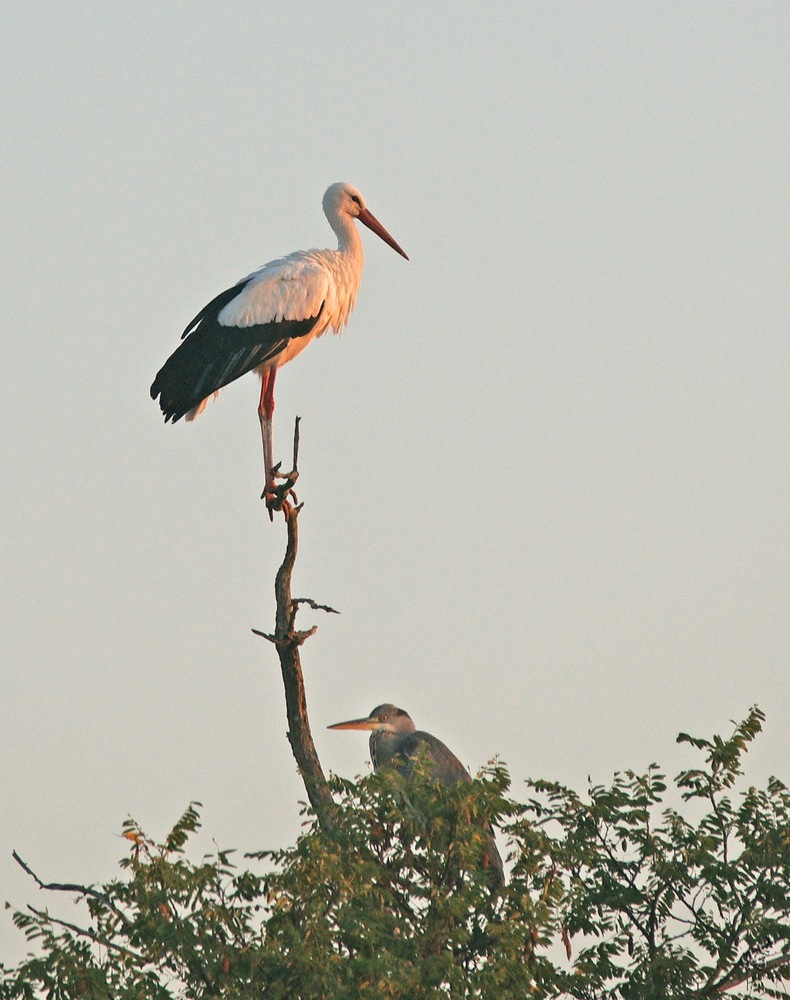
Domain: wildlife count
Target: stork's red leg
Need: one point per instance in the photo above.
(265, 414)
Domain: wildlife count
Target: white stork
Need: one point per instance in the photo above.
(267, 318)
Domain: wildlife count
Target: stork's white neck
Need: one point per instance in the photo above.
(349, 242)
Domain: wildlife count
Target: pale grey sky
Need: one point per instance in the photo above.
(545, 470)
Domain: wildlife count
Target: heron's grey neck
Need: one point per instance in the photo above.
(384, 746)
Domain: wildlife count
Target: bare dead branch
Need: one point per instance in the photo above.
(287, 640)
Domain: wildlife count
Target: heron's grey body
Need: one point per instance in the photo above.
(402, 746)
(395, 742)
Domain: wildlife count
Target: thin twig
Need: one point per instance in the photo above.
(265, 635)
(296, 601)
(774, 963)
(70, 887)
(285, 493)
(85, 932)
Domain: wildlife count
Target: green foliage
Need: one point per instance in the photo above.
(667, 906)
(613, 893)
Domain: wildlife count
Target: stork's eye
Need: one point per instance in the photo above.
(355, 198)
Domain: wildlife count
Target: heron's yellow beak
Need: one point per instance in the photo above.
(366, 723)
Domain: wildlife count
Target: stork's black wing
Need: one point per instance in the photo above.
(212, 355)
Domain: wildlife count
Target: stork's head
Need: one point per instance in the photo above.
(384, 718)
(343, 200)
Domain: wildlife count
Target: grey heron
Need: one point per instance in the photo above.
(395, 742)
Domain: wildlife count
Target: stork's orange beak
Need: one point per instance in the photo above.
(368, 219)
(366, 723)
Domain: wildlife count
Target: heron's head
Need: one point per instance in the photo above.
(384, 718)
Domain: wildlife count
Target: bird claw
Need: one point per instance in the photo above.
(276, 494)
(278, 497)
